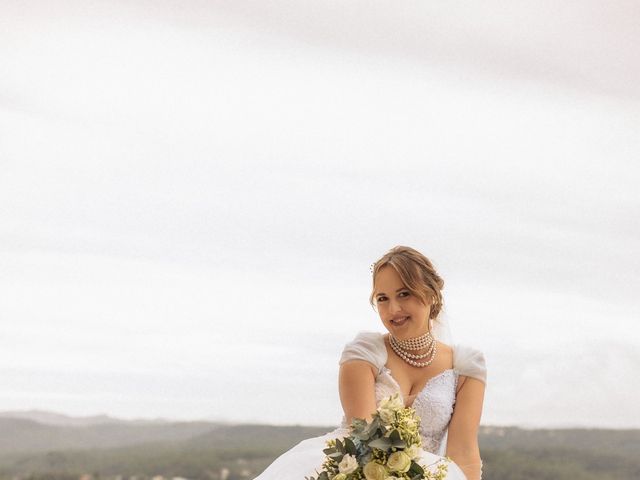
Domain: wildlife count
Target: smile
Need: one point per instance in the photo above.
(400, 321)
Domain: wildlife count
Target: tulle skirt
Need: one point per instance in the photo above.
(306, 457)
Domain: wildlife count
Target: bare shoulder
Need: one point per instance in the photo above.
(357, 368)
(445, 352)
(444, 348)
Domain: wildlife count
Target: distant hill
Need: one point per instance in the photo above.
(52, 418)
(18, 435)
(25, 435)
(231, 437)
(618, 442)
(32, 450)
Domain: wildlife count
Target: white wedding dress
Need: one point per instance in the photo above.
(434, 405)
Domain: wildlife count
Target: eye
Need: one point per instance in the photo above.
(404, 293)
(381, 298)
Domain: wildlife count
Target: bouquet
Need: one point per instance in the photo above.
(387, 448)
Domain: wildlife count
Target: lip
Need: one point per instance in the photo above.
(406, 319)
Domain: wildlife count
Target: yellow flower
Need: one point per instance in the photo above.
(399, 462)
(411, 423)
(340, 476)
(374, 471)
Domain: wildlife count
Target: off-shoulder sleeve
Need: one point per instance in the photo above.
(367, 346)
(470, 362)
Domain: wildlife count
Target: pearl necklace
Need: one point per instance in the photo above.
(401, 347)
(415, 343)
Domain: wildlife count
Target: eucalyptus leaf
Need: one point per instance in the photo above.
(371, 429)
(381, 443)
(415, 469)
(349, 446)
(365, 430)
(360, 435)
(358, 423)
(396, 440)
(375, 423)
(323, 476)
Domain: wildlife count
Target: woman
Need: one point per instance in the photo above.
(443, 383)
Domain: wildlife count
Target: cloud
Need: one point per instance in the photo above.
(185, 186)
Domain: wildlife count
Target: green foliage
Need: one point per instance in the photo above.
(415, 470)
(363, 430)
(349, 446)
(557, 464)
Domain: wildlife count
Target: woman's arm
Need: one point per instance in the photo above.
(356, 384)
(462, 439)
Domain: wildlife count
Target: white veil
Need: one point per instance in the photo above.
(440, 328)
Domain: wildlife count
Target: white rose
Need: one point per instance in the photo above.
(348, 464)
(414, 452)
(374, 471)
(399, 462)
(392, 402)
(388, 407)
(387, 416)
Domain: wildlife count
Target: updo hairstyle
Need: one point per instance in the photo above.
(418, 274)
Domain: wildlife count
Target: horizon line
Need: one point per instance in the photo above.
(21, 414)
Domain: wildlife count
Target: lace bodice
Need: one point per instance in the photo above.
(435, 402)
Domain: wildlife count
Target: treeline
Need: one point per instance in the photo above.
(242, 464)
(557, 463)
(242, 452)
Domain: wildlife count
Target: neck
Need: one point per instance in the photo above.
(420, 342)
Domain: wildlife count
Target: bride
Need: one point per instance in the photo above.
(443, 382)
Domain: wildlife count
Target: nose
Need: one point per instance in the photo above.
(394, 306)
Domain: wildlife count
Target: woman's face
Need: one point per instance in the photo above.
(395, 303)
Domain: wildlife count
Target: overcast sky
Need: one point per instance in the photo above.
(191, 195)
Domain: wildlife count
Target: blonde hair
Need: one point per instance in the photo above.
(416, 272)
